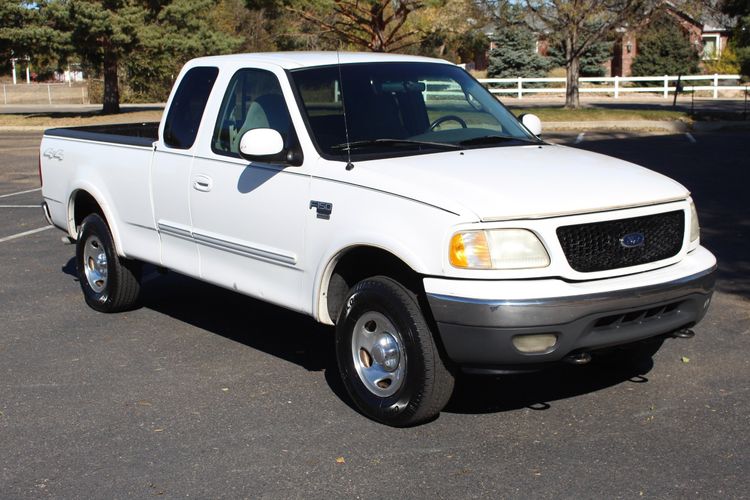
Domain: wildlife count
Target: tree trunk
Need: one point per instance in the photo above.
(572, 71)
(111, 100)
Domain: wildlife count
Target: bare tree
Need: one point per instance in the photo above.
(374, 25)
(581, 23)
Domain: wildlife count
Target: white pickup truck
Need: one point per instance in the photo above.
(395, 198)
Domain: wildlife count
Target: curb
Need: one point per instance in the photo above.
(645, 125)
(677, 126)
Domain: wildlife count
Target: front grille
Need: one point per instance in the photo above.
(597, 246)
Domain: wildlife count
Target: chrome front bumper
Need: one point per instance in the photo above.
(479, 333)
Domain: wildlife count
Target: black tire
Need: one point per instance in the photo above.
(424, 386)
(118, 288)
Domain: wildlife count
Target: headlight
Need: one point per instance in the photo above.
(695, 228)
(497, 249)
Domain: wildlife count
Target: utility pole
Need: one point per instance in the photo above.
(28, 75)
(13, 65)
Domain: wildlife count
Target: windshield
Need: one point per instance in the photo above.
(400, 109)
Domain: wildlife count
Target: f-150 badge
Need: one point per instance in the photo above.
(323, 208)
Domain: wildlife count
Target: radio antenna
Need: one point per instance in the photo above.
(349, 164)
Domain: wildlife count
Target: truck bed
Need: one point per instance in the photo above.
(132, 134)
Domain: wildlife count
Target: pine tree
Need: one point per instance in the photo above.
(176, 33)
(664, 49)
(26, 31)
(515, 54)
(151, 38)
(102, 33)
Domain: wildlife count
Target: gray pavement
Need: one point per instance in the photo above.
(205, 393)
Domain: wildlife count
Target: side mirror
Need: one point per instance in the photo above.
(533, 123)
(261, 144)
(267, 145)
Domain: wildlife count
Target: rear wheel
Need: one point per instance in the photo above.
(387, 356)
(109, 283)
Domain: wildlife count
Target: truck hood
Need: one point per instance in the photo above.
(515, 182)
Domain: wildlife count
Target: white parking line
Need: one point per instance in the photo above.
(20, 192)
(690, 137)
(579, 139)
(19, 206)
(25, 233)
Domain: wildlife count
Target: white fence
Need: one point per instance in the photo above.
(618, 85)
(44, 93)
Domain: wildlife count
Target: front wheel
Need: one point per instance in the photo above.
(109, 283)
(387, 356)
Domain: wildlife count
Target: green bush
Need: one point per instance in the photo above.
(726, 64)
(740, 41)
(664, 49)
(95, 88)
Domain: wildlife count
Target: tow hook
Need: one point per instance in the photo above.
(579, 358)
(684, 333)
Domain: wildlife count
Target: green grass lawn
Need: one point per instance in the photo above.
(54, 119)
(560, 114)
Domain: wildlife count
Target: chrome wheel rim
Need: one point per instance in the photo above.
(95, 264)
(378, 354)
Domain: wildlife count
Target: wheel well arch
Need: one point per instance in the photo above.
(354, 264)
(83, 204)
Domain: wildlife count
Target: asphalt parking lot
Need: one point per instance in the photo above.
(205, 393)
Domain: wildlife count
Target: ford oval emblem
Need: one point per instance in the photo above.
(632, 240)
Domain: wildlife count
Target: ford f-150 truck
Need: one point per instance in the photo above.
(395, 198)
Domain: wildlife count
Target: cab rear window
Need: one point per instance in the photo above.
(186, 109)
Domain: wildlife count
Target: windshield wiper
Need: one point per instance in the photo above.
(495, 139)
(392, 142)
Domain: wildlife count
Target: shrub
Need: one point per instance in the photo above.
(726, 64)
(664, 49)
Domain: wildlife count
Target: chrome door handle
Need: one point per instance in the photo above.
(202, 183)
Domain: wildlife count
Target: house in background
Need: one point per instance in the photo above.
(708, 35)
(73, 73)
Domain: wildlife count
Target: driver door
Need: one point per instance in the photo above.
(248, 219)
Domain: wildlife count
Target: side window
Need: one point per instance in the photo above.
(187, 107)
(253, 100)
